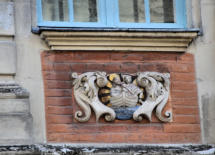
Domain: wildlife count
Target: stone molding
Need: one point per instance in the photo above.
(106, 149)
(177, 41)
(10, 90)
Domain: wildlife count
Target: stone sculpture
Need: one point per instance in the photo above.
(121, 96)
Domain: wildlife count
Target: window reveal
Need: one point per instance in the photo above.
(112, 13)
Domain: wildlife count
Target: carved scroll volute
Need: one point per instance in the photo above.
(81, 92)
(157, 90)
(165, 90)
(86, 88)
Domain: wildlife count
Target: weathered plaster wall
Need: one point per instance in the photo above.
(7, 45)
(204, 50)
(28, 74)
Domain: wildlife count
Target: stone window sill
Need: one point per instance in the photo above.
(158, 40)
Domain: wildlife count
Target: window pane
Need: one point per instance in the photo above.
(55, 10)
(162, 11)
(132, 11)
(85, 10)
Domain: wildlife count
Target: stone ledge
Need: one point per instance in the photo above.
(11, 90)
(107, 149)
(177, 41)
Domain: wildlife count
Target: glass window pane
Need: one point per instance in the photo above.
(55, 10)
(85, 10)
(132, 11)
(162, 11)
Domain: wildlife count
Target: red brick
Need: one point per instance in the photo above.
(152, 137)
(58, 92)
(70, 138)
(59, 119)
(160, 138)
(162, 68)
(183, 77)
(134, 137)
(95, 67)
(183, 68)
(185, 138)
(87, 137)
(183, 94)
(62, 110)
(53, 137)
(103, 137)
(62, 57)
(48, 56)
(183, 86)
(58, 128)
(145, 67)
(78, 67)
(186, 110)
(46, 66)
(155, 138)
(185, 101)
(112, 67)
(118, 137)
(144, 57)
(160, 57)
(91, 56)
(59, 101)
(181, 128)
(129, 67)
(123, 56)
(54, 84)
(57, 76)
(185, 58)
(112, 128)
(154, 67)
(186, 119)
(145, 128)
(71, 128)
(56, 137)
(62, 67)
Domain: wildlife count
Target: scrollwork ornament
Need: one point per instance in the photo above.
(111, 94)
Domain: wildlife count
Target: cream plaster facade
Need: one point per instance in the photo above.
(20, 61)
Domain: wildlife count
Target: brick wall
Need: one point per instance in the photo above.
(60, 105)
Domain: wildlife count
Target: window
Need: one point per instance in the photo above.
(112, 13)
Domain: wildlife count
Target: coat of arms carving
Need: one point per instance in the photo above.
(121, 96)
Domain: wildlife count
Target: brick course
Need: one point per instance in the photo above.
(60, 104)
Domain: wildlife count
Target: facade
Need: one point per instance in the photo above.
(38, 104)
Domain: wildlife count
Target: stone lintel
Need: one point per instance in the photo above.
(177, 41)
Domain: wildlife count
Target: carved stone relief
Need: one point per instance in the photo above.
(121, 96)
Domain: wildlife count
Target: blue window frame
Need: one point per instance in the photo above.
(108, 16)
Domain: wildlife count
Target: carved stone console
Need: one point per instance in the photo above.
(121, 96)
